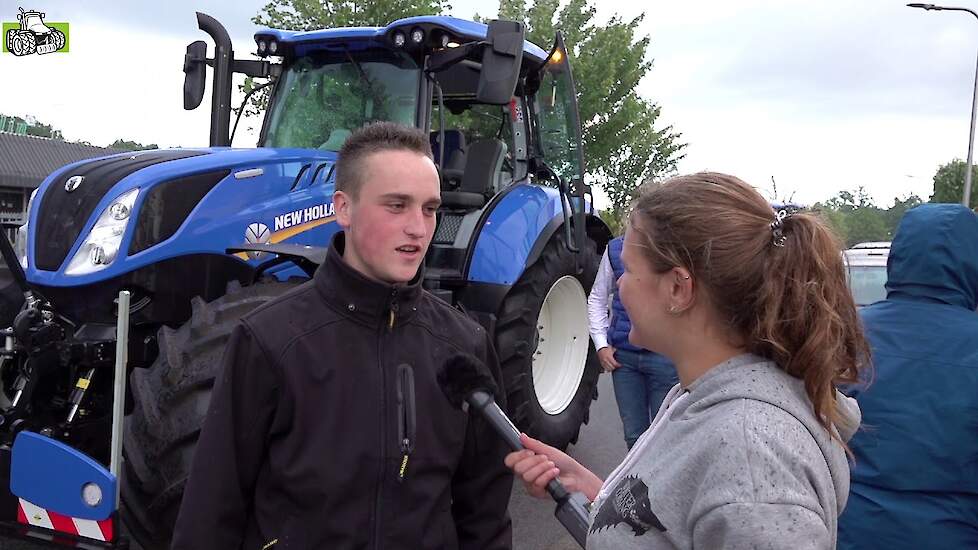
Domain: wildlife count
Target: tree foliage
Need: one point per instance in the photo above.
(857, 219)
(127, 145)
(949, 183)
(623, 146)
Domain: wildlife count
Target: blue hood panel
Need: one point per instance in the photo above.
(266, 190)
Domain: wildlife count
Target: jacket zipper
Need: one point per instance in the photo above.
(383, 437)
(393, 309)
(378, 509)
(405, 416)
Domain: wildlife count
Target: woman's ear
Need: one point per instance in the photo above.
(681, 290)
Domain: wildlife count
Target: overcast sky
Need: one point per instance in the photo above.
(820, 96)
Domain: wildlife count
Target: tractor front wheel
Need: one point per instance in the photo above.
(23, 43)
(171, 400)
(549, 364)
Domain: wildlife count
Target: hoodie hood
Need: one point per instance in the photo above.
(934, 256)
(757, 379)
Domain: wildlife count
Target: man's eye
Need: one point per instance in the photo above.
(397, 205)
(430, 210)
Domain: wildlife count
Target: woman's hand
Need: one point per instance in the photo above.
(539, 463)
(606, 356)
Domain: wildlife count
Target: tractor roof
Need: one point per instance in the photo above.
(460, 30)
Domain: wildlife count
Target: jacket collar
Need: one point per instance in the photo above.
(361, 298)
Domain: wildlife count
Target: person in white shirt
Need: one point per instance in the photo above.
(642, 378)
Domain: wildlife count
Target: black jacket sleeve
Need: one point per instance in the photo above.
(218, 498)
(482, 484)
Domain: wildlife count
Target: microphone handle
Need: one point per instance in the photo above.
(571, 509)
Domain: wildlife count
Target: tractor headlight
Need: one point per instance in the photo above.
(417, 35)
(102, 245)
(272, 47)
(262, 47)
(399, 39)
(21, 246)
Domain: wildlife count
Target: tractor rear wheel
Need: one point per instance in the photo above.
(549, 364)
(171, 400)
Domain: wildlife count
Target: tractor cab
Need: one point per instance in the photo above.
(498, 110)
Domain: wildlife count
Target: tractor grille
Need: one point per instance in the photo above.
(62, 215)
(167, 206)
(447, 229)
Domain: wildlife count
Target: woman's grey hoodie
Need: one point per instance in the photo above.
(736, 460)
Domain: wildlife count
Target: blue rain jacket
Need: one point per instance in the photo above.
(915, 478)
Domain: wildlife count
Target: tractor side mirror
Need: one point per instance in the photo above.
(194, 65)
(501, 61)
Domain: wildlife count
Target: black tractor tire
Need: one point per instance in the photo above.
(517, 340)
(8, 39)
(23, 44)
(11, 296)
(58, 37)
(170, 402)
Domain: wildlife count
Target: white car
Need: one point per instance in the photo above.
(866, 270)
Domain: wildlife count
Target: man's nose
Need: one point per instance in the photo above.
(416, 226)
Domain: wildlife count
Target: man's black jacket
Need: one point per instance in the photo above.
(304, 444)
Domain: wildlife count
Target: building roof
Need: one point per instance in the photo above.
(26, 160)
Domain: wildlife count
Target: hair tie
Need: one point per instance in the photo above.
(777, 228)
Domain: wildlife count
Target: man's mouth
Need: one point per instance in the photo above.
(409, 249)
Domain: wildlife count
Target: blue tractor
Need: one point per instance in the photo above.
(200, 237)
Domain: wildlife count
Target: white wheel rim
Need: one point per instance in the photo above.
(561, 354)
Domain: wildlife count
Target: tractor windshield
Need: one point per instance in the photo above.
(322, 97)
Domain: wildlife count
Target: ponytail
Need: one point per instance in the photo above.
(776, 278)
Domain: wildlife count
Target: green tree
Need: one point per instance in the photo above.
(623, 146)
(131, 145)
(895, 213)
(949, 183)
(30, 125)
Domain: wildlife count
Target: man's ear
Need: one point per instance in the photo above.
(343, 207)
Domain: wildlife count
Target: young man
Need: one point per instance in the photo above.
(328, 428)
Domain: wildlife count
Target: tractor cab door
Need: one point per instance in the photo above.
(558, 124)
(557, 135)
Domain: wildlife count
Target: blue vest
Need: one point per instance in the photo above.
(620, 323)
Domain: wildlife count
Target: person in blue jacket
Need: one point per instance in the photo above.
(915, 477)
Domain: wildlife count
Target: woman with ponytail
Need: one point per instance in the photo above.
(749, 449)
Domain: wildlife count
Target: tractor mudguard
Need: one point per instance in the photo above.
(514, 234)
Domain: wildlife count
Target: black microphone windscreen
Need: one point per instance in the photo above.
(463, 374)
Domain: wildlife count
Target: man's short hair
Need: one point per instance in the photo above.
(374, 138)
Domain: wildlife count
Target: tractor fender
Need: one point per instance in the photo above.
(514, 233)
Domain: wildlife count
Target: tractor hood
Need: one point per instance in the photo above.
(168, 189)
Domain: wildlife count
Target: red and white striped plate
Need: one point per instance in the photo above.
(29, 514)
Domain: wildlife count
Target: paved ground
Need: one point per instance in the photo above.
(600, 447)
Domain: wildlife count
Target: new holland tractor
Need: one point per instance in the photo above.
(169, 248)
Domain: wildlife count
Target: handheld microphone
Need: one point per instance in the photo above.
(467, 384)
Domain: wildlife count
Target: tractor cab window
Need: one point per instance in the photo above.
(558, 137)
(474, 131)
(323, 97)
